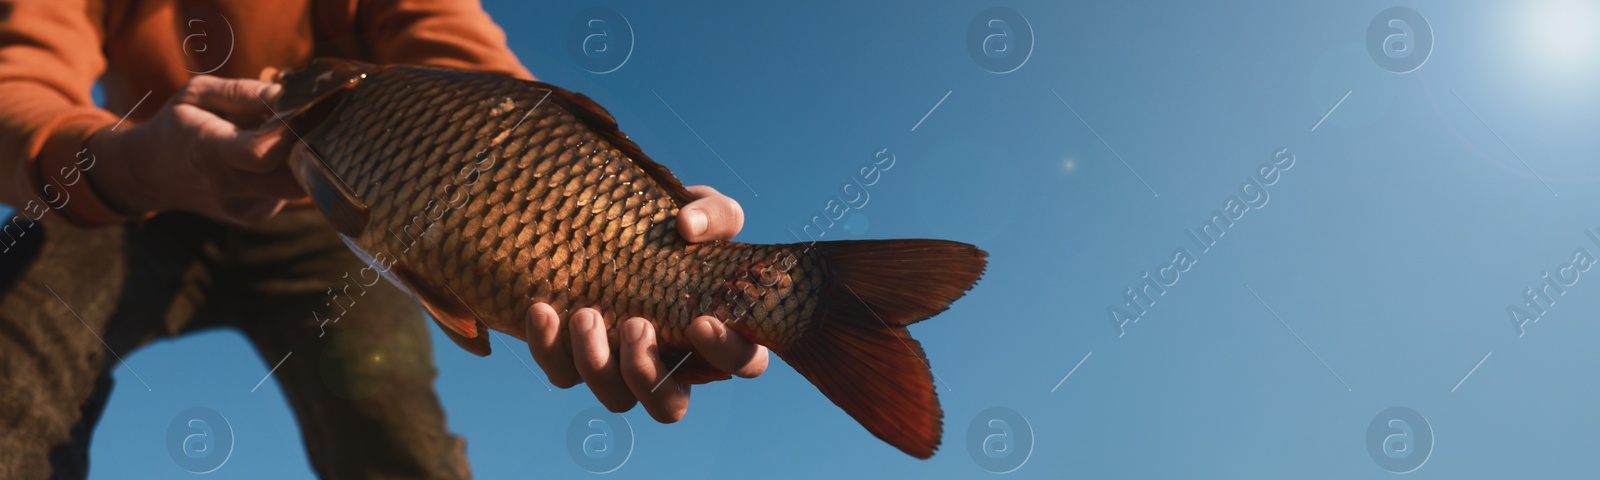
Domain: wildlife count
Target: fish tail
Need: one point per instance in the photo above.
(857, 350)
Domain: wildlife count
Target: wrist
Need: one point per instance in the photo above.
(115, 179)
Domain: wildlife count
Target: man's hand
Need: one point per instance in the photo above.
(200, 153)
(635, 373)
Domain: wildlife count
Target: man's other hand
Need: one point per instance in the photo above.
(200, 153)
(578, 351)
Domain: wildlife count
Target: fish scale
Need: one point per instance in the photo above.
(482, 194)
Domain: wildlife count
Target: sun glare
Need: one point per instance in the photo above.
(1563, 36)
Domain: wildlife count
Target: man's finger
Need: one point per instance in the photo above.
(549, 346)
(260, 151)
(726, 350)
(712, 216)
(243, 149)
(591, 354)
(275, 185)
(230, 96)
(665, 399)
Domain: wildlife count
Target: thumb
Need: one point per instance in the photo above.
(711, 216)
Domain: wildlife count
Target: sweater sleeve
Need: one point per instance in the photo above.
(445, 33)
(49, 60)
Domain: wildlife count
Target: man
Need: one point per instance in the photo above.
(181, 217)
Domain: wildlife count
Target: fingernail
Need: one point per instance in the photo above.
(537, 321)
(711, 329)
(634, 329)
(586, 321)
(533, 324)
(271, 91)
(697, 222)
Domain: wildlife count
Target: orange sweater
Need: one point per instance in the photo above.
(53, 51)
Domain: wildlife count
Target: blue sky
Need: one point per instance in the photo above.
(1377, 274)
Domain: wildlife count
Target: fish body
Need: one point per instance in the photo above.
(481, 194)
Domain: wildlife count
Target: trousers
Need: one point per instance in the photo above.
(357, 369)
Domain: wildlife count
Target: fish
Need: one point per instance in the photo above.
(480, 194)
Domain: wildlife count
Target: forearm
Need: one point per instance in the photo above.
(49, 59)
(43, 156)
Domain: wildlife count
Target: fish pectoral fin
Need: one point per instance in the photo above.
(454, 317)
(478, 345)
(348, 214)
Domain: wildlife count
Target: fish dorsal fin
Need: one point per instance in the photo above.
(454, 317)
(606, 125)
(583, 106)
(348, 214)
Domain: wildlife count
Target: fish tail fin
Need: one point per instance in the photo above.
(901, 282)
(857, 350)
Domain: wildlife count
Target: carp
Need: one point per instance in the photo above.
(480, 194)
